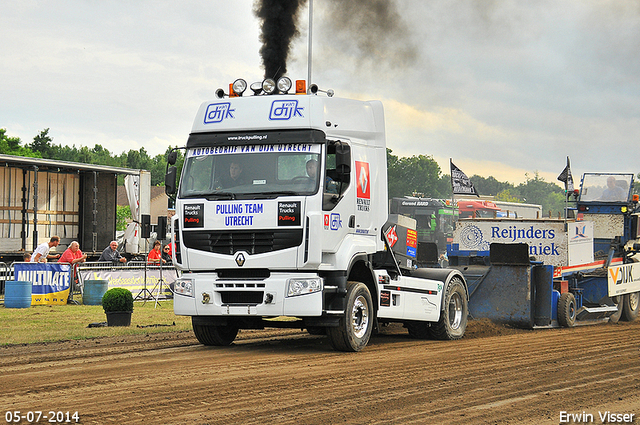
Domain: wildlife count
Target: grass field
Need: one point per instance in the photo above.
(46, 323)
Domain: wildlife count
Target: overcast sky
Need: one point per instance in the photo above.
(503, 88)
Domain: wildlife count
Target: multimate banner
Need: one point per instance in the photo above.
(50, 281)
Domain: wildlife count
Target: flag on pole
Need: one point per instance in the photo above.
(460, 183)
(567, 178)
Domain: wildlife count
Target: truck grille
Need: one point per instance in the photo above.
(253, 242)
(242, 297)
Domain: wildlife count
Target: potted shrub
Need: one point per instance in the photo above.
(118, 306)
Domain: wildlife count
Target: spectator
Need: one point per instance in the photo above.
(27, 257)
(111, 254)
(155, 256)
(73, 255)
(41, 254)
(166, 254)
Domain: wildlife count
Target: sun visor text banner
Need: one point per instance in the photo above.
(50, 282)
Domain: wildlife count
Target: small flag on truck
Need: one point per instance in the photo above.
(460, 183)
(567, 178)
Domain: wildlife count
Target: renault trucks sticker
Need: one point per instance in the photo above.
(216, 112)
(282, 110)
(193, 215)
(363, 187)
(289, 213)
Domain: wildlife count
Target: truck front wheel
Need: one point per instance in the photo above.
(354, 330)
(567, 310)
(455, 310)
(214, 334)
(630, 303)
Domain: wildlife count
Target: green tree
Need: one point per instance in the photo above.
(489, 186)
(508, 195)
(12, 146)
(419, 173)
(42, 144)
(123, 212)
(537, 191)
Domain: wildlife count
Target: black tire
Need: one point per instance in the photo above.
(630, 304)
(418, 330)
(356, 325)
(454, 314)
(567, 310)
(316, 330)
(215, 335)
(615, 317)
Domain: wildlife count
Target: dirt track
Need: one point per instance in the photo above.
(494, 375)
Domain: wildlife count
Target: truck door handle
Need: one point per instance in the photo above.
(352, 222)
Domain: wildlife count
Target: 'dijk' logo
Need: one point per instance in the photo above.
(216, 112)
(285, 109)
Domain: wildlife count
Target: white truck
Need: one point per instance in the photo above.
(301, 238)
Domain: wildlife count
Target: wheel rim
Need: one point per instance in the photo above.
(633, 301)
(455, 310)
(572, 310)
(360, 317)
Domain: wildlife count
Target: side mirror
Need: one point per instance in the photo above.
(170, 180)
(343, 161)
(172, 158)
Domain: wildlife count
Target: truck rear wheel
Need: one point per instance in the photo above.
(630, 304)
(356, 325)
(419, 330)
(615, 317)
(455, 310)
(567, 310)
(215, 335)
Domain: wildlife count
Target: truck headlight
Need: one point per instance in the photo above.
(183, 286)
(303, 285)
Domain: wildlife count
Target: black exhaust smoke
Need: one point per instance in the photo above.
(279, 18)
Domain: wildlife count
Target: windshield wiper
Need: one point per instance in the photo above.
(220, 195)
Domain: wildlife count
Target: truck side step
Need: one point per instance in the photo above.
(595, 312)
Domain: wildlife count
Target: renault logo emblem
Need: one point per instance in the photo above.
(240, 259)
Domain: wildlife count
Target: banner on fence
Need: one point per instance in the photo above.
(134, 279)
(50, 282)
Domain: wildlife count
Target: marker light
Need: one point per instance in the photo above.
(284, 85)
(231, 92)
(636, 198)
(239, 86)
(301, 87)
(269, 86)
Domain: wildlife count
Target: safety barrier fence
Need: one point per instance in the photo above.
(145, 281)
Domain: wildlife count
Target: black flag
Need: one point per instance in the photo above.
(567, 178)
(460, 183)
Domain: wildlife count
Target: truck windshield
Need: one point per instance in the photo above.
(256, 171)
(606, 187)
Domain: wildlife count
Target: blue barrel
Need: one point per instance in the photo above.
(93, 291)
(17, 294)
